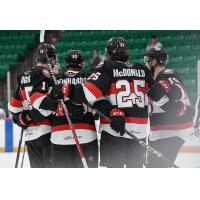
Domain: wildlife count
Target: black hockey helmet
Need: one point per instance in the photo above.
(160, 54)
(74, 58)
(46, 52)
(116, 49)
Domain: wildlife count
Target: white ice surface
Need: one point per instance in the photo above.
(7, 160)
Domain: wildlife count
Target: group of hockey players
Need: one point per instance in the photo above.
(132, 95)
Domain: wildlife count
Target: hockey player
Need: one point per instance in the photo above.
(37, 128)
(170, 123)
(125, 86)
(64, 150)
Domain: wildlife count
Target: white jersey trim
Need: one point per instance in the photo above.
(14, 109)
(36, 105)
(161, 134)
(65, 137)
(34, 132)
(89, 96)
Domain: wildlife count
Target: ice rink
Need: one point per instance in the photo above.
(185, 160)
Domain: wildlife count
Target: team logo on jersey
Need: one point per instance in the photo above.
(27, 72)
(26, 79)
(168, 71)
(165, 85)
(46, 73)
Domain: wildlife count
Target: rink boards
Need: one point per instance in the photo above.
(10, 134)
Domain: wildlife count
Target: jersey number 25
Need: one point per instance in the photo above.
(127, 98)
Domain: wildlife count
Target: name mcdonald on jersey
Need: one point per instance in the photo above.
(128, 72)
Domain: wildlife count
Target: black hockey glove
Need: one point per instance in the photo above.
(76, 111)
(117, 120)
(22, 120)
(61, 91)
(56, 92)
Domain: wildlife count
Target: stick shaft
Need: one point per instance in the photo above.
(19, 148)
(24, 150)
(74, 135)
(42, 33)
(143, 144)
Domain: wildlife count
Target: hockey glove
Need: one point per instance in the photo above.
(117, 120)
(22, 119)
(57, 93)
(60, 91)
(76, 111)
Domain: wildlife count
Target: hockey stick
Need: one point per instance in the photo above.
(24, 150)
(19, 148)
(148, 148)
(42, 33)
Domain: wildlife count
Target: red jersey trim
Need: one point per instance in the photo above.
(76, 126)
(36, 96)
(15, 102)
(172, 126)
(93, 89)
(134, 120)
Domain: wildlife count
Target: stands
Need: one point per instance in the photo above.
(183, 47)
(13, 48)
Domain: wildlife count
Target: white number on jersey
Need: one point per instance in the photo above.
(127, 98)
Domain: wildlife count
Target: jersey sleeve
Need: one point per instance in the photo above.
(39, 97)
(15, 104)
(98, 83)
(172, 86)
(155, 92)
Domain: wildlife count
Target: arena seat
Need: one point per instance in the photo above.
(14, 44)
(182, 46)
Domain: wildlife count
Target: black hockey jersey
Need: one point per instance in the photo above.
(84, 127)
(175, 118)
(125, 86)
(21, 101)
